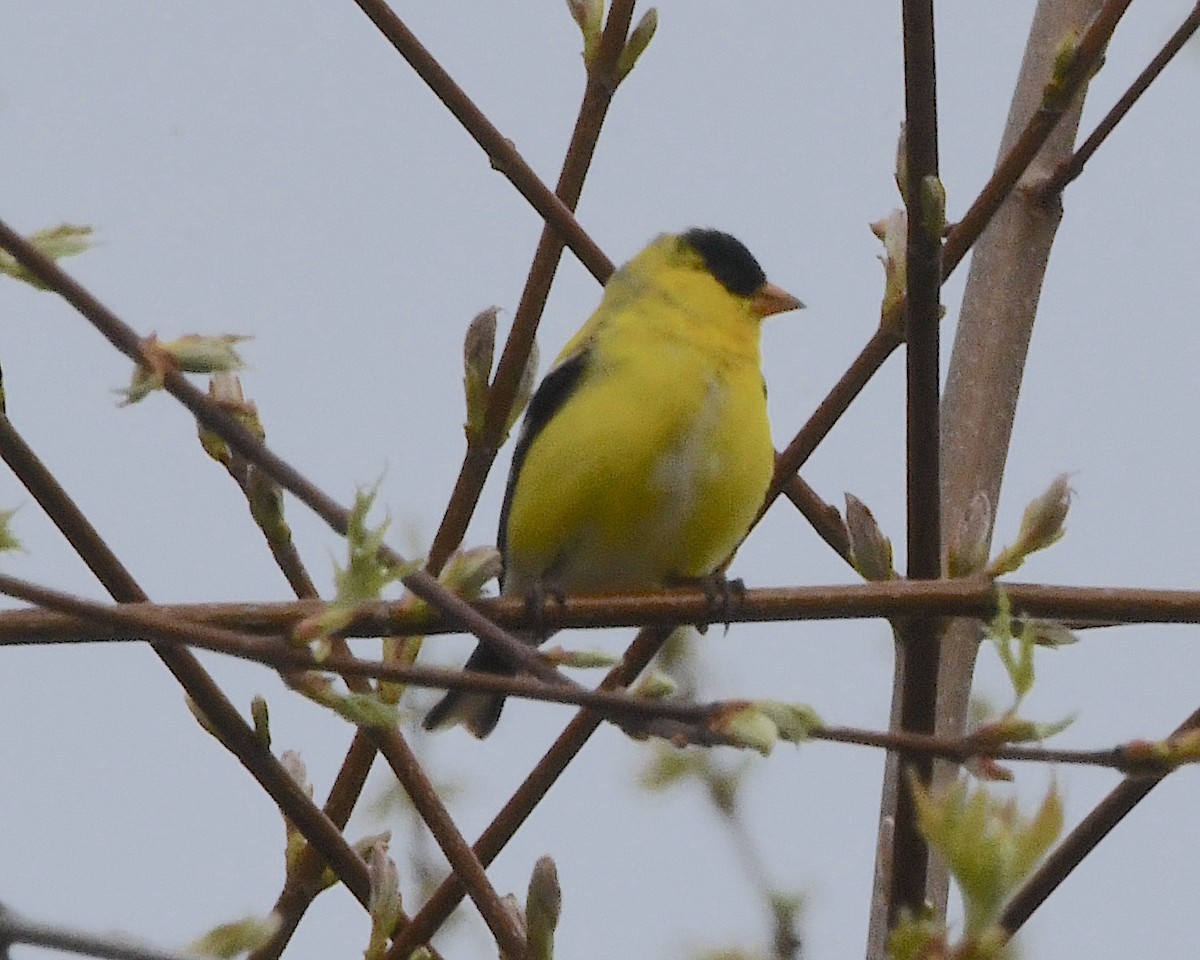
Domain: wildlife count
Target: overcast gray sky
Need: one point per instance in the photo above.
(277, 170)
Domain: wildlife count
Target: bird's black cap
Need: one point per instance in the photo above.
(728, 260)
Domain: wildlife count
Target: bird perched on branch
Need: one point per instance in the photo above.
(645, 453)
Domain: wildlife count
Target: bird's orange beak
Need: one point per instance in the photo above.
(770, 299)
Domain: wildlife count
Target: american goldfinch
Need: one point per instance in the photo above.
(645, 453)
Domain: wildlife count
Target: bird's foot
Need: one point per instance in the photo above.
(535, 604)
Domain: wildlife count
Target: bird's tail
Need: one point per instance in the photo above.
(478, 712)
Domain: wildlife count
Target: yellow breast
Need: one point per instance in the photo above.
(654, 467)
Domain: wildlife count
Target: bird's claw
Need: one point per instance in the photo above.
(722, 595)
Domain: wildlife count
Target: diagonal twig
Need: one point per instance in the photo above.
(1071, 168)
(501, 152)
(485, 445)
(222, 422)
(237, 736)
(1085, 60)
(16, 929)
(1099, 822)
(241, 739)
(541, 778)
(1012, 165)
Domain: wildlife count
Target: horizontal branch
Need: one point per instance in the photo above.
(15, 929)
(682, 722)
(1080, 607)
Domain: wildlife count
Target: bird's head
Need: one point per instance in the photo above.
(703, 265)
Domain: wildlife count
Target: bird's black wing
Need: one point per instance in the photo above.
(547, 400)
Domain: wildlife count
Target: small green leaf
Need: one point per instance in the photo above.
(1042, 525)
(65, 240)
(671, 767)
(933, 207)
(262, 720)
(232, 939)
(543, 905)
(8, 540)
(918, 938)
(478, 349)
(383, 902)
(192, 353)
(967, 550)
(1015, 651)
(365, 710)
(467, 572)
(367, 572)
(1035, 837)
(893, 231)
(589, 15)
(745, 725)
(580, 659)
(795, 721)
(655, 685)
(635, 46)
(870, 550)
(195, 353)
(1010, 728)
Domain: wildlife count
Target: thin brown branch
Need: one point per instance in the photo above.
(883, 344)
(527, 796)
(925, 210)
(1123, 757)
(918, 639)
(1068, 170)
(500, 151)
(1075, 607)
(1081, 841)
(999, 307)
(389, 742)
(222, 422)
(484, 446)
(961, 237)
(823, 516)
(303, 882)
(468, 868)
(1058, 95)
(15, 929)
(233, 731)
(604, 700)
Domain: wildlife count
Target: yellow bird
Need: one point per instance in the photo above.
(645, 453)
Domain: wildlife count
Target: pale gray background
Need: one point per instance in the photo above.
(276, 169)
